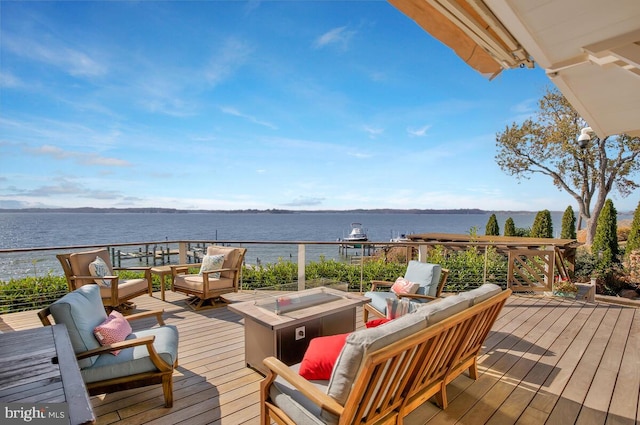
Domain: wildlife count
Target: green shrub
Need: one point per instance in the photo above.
(568, 224)
(31, 293)
(509, 227)
(523, 232)
(466, 267)
(605, 241)
(492, 228)
(542, 225)
(633, 241)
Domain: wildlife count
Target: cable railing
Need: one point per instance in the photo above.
(32, 277)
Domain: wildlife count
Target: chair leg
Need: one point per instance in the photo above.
(167, 389)
(441, 397)
(473, 370)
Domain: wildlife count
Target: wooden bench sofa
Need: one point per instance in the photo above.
(384, 373)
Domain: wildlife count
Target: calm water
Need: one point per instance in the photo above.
(28, 230)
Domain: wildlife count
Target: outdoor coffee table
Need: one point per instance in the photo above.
(282, 326)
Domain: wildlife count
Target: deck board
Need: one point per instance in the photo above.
(545, 360)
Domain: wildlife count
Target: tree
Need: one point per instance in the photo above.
(509, 227)
(542, 225)
(568, 224)
(492, 228)
(633, 241)
(547, 145)
(605, 242)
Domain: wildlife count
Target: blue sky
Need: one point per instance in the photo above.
(233, 105)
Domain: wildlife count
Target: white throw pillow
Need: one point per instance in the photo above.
(99, 268)
(211, 263)
(404, 286)
(397, 308)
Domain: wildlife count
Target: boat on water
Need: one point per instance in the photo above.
(400, 237)
(357, 234)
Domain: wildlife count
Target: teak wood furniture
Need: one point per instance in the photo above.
(147, 356)
(204, 288)
(384, 373)
(430, 277)
(76, 269)
(39, 366)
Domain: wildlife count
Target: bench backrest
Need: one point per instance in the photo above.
(389, 376)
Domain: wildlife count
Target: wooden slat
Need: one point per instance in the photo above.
(623, 403)
(544, 359)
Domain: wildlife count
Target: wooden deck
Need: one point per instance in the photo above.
(546, 360)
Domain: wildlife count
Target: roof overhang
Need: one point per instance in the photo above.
(590, 49)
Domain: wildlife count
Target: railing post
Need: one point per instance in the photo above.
(486, 261)
(301, 267)
(182, 252)
(422, 253)
(361, 270)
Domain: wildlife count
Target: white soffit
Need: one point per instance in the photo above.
(590, 50)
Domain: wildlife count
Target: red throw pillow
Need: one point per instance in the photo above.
(321, 356)
(376, 322)
(115, 329)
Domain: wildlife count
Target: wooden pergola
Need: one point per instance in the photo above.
(533, 262)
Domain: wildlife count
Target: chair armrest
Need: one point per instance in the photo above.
(276, 367)
(376, 283)
(133, 268)
(117, 346)
(92, 278)
(207, 273)
(183, 268)
(143, 315)
(147, 340)
(417, 296)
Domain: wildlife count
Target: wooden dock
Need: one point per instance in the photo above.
(547, 360)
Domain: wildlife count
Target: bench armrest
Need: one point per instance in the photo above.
(276, 367)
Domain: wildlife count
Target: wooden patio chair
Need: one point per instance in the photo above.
(219, 274)
(115, 292)
(431, 279)
(146, 357)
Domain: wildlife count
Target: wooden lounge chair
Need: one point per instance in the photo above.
(115, 292)
(147, 357)
(430, 277)
(221, 278)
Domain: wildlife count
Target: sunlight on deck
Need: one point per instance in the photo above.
(546, 359)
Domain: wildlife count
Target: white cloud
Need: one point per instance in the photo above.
(8, 80)
(229, 110)
(340, 36)
(373, 131)
(232, 55)
(80, 157)
(55, 53)
(418, 132)
(304, 201)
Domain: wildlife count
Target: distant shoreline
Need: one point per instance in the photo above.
(256, 211)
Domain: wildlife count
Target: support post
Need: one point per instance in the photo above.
(422, 253)
(301, 267)
(182, 252)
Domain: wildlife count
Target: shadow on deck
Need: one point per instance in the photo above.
(546, 360)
